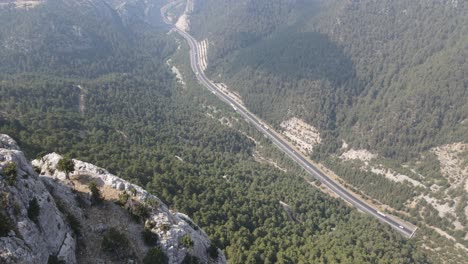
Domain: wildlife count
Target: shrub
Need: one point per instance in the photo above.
(115, 244)
(74, 223)
(34, 210)
(186, 241)
(5, 225)
(155, 255)
(10, 173)
(54, 260)
(212, 251)
(95, 192)
(149, 237)
(165, 227)
(4, 199)
(37, 169)
(16, 208)
(150, 224)
(140, 211)
(123, 198)
(80, 200)
(60, 205)
(189, 259)
(153, 202)
(66, 165)
(133, 191)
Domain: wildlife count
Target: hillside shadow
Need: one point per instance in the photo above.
(298, 55)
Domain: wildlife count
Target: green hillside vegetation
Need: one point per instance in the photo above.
(386, 76)
(136, 120)
(390, 70)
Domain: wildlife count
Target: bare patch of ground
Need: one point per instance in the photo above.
(359, 154)
(179, 77)
(366, 156)
(82, 103)
(213, 113)
(394, 176)
(454, 166)
(178, 74)
(225, 121)
(442, 208)
(303, 135)
(101, 217)
(454, 163)
(183, 23)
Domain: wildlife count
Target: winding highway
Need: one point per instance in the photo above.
(402, 227)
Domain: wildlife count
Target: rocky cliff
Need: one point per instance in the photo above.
(83, 214)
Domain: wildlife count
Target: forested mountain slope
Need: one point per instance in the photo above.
(62, 36)
(411, 60)
(393, 71)
(380, 85)
(95, 85)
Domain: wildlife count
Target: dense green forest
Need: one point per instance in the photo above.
(108, 97)
(393, 71)
(385, 76)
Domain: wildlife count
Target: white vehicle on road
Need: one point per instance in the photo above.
(270, 135)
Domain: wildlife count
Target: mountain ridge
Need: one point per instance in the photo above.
(57, 193)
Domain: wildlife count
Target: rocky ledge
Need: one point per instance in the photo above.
(50, 213)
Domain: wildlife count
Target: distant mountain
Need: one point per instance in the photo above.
(74, 37)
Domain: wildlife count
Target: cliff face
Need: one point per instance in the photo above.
(31, 237)
(69, 222)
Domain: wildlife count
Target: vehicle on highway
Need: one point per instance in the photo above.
(271, 137)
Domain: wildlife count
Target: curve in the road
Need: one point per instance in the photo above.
(281, 143)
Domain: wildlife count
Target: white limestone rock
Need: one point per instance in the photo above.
(52, 235)
(170, 227)
(7, 142)
(32, 242)
(68, 249)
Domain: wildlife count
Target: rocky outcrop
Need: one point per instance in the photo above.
(171, 227)
(30, 241)
(7, 142)
(70, 228)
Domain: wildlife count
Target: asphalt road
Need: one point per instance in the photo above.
(281, 143)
